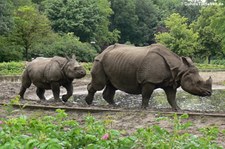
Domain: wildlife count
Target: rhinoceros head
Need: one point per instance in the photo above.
(73, 69)
(192, 82)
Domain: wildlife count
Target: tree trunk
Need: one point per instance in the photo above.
(26, 53)
(209, 59)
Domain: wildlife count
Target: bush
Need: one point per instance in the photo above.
(16, 68)
(210, 67)
(60, 132)
(64, 45)
(87, 67)
(8, 51)
(12, 68)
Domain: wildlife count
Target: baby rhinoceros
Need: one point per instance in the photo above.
(140, 70)
(51, 73)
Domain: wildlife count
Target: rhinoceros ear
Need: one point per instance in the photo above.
(67, 57)
(187, 61)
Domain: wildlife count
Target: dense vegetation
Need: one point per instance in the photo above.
(31, 28)
(61, 132)
(17, 68)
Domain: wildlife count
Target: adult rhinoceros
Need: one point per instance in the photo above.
(140, 70)
(51, 73)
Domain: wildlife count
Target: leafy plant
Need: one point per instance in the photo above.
(61, 132)
(11, 68)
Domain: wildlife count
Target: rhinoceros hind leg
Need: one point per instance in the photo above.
(91, 92)
(26, 82)
(98, 81)
(147, 90)
(108, 93)
(171, 98)
(22, 91)
(40, 93)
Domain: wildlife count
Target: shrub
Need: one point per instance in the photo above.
(60, 132)
(17, 68)
(64, 45)
(11, 68)
(8, 51)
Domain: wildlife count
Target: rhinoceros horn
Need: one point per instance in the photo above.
(209, 81)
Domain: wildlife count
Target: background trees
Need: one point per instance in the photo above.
(210, 42)
(87, 19)
(6, 20)
(181, 38)
(135, 19)
(30, 28)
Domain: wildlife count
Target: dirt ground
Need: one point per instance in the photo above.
(128, 121)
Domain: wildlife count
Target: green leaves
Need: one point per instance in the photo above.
(181, 39)
(87, 19)
(30, 27)
(59, 132)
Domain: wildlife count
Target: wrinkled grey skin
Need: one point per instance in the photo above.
(140, 70)
(51, 73)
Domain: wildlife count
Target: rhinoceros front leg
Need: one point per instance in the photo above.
(147, 90)
(69, 89)
(40, 93)
(171, 97)
(108, 93)
(55, 90)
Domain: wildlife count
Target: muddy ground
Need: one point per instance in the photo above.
(128, 121)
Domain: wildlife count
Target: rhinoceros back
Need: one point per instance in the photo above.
(128, 67)
(121, 64)
(36, 68)
(41, 71)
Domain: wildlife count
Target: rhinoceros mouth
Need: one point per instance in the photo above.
(204, 93)
(207, 93)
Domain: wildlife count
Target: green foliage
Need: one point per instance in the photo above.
(16, 68)
(12, 68)
(128, 18)
(87, 67)
(9, 52)
(87, 19)
(30, 27)
(60, 132)
(180, 38)
(157, 137)
(211, 66)
(66, 44)
(218, 25)
(6, 20)
(209, 41)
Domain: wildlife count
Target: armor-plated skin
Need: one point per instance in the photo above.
(140, 70)
(51, 73)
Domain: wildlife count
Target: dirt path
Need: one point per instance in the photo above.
(128, 121)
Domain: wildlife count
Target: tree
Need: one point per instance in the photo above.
(218, 25)
(135, 19)
(87, 19)
(147, 22)
(64, 45)
(6, 20)
(30, 26)
(181, 39)
(124, 19)
(209, 40)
